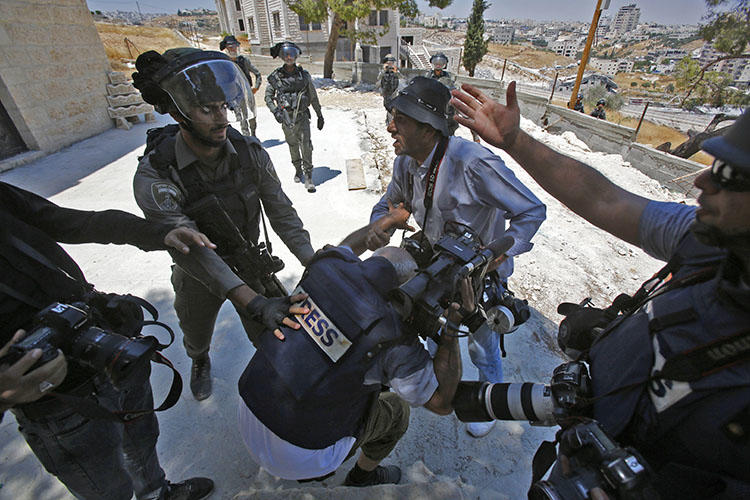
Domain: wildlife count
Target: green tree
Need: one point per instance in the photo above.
(345, 12)
(475, 46)
(728, 29)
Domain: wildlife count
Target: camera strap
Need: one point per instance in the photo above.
(431, 179)
(87, 406)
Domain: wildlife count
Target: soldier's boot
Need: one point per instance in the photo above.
(200, 377)
(309, 185)
(298, 175)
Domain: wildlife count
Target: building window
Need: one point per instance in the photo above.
(276, 21)
(316, 26)
(251, 25)
(383, 17)
(303, 25)
(373, 20)
(242, 24)
(237, 5)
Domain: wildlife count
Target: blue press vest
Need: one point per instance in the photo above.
(296, 389)
(673, 422)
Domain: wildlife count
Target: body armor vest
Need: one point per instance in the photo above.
(291, 91)
(238, 191)
(651, 414)
(309, 389)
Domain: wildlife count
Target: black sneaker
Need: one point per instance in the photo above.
(200, 377)
(390, 474)
(191, 489)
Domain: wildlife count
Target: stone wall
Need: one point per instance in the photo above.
(53, 72)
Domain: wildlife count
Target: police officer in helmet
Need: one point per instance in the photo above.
(599, 111)
(389, 82)
(578, 106)
(248, 121)
(200, 159)
(670, 373)
(289, 94)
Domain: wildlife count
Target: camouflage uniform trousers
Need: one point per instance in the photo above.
(247, 125)
(300, 146)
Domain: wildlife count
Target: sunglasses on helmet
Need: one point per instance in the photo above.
(728, 177)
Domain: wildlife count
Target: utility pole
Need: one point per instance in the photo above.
(585, 57)
(140, 16)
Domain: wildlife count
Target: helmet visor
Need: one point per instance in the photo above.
(289, 51)
(206, 90)
(439, 62)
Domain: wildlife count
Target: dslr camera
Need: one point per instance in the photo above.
(459, 254)
(70, 328)
(596, 461)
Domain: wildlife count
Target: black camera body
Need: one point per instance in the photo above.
(70, 328)
(422, 300)
(596, 461)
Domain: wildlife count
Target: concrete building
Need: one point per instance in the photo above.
(433, 21)
(626, 19)
(567, 47)
(53, 77)
(267, 22)
(611, 67)
(503, 33)
(734, 68)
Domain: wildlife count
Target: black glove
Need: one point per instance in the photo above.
(269, 312)
(320, 122)
(279, 115)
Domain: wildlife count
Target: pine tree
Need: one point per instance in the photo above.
(475, 46)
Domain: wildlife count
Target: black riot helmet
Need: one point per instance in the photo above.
(228, 41)
(187, 80)
(426, 100)
(601, 101)
(389, 59)
(439, 61)
(285, 49)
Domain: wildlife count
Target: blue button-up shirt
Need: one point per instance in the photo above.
(474, 187)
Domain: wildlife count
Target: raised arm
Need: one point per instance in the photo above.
(580, 187)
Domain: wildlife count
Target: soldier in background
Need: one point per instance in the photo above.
(389, 82)
(232, 48)
(599, 110)
(289, 94)
(439, 62)
(578, 106)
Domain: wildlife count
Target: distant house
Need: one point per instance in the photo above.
(267, 22)
(611, 67)
(587, 81)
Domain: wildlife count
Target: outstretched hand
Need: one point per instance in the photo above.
(379, 234)
(274, 312)
(495, 123)
(182, 238)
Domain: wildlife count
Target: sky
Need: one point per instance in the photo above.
(661, 11)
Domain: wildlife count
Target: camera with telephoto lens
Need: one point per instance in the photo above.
(459, 254)
(70, 328)
(595, 461)
(567, 395)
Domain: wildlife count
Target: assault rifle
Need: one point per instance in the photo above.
(250, 262)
